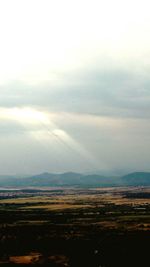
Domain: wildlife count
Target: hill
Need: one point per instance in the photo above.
(76, 179)
(137, 179)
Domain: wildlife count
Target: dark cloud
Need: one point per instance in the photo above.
(117, 93)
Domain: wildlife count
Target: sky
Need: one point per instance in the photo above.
(74, 86)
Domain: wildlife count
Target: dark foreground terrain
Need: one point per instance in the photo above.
(75, 227)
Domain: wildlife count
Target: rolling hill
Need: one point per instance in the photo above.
(137, 179)
(76, 179)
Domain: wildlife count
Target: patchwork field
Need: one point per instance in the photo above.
(75, 227)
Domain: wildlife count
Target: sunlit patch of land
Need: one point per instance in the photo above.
(25, 259)
(57, 206)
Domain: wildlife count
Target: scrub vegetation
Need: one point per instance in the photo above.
(75, 227)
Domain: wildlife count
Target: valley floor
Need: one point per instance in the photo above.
(75, 227)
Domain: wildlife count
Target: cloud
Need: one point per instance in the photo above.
(114, 93)
(81, 70)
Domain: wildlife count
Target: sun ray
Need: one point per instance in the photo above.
(79, 149)
(41, 127)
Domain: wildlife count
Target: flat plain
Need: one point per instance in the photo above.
(98, 227)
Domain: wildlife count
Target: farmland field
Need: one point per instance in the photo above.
(75, 227)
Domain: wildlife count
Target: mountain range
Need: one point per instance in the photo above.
(76, 179)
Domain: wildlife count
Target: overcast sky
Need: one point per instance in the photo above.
(74, 86)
